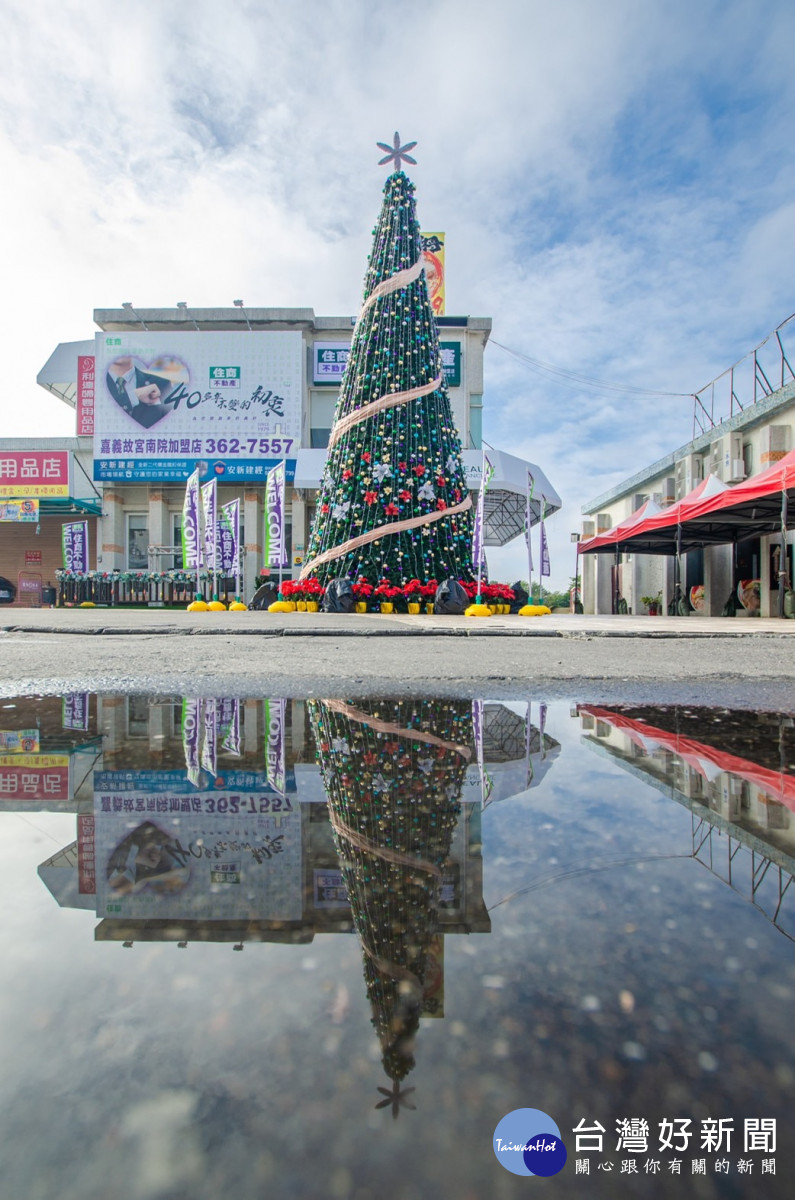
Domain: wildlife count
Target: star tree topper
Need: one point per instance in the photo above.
(396, 152)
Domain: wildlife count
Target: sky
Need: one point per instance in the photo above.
(615, 181)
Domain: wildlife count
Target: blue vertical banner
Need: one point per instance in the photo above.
(209, 756)
(275, 544)
(74, 540)
(528, 524)
(229, 724)
(209, 493)
(191, 523)
(545, 567)
(229, 537)
(192, 728)
(275, 761)
(486, 782)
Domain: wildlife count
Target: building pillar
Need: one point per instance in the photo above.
(111, 535)
(159, 529)
(603, 592)
(718, 578)
(252, 555)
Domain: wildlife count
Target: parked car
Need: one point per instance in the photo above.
(8, 591)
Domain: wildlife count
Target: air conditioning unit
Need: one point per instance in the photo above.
(603, 522)
(588, 529)
(733, 465)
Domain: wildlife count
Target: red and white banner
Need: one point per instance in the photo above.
(85, 394)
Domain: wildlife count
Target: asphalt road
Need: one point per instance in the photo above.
(740, 663)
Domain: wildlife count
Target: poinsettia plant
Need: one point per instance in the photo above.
(412, 591)
(362, 590)
(386, 590)
(428, 590)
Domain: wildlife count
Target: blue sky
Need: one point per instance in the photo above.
(615, 180)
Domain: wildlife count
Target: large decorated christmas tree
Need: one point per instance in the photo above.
(393, 503)
(394, 771)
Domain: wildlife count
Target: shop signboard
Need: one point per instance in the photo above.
(26, 779)
(19, 741)
(34, 473)
(451, 362)
(329, 360)
(85, 394)
(165, 402)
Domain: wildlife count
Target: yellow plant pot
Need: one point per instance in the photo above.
(429, 608)
(505, 609)
(413, 608)
(198, 606)
(216, 606)
(387, 606)
(360, 606)
(493, 609)
(312, 606)
(301, 605)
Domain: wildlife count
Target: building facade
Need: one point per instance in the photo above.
(235, 391)
(744, 444)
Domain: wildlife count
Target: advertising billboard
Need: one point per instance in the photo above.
(165, 402)
(216, 855)
(433, 252)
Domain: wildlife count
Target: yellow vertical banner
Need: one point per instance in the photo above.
(433, 253)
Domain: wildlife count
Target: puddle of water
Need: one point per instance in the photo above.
(322, 948)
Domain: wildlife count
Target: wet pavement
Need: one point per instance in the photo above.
(322, 947)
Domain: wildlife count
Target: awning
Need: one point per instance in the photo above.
(59, 373)
(612, 539)
(506, 497)
(712, 515)
(64, 506)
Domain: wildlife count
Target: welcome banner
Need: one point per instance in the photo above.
(74, 540)
(191, 548)
(275, 546)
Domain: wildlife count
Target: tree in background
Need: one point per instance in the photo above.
(393, 502)
(394, 771)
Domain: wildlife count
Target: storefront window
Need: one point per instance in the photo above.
(137, 541)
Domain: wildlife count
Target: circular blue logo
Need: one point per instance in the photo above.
(527, 1142)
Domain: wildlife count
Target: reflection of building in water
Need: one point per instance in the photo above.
(733, 771)
(137, 777)
(394, 772)
(48, 748)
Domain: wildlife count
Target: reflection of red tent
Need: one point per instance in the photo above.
(713, 514)
(708, 761)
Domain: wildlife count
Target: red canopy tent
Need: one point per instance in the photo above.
(656, 530)
(713, 514)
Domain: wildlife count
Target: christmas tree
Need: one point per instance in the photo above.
(393, 503)
(393, 771)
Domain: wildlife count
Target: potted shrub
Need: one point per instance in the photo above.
(652, 603)
(387, 593)
(428, 592)
(362, 590)
(413, 593)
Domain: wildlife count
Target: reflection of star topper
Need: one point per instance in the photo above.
(396, 152)
(395, 1097)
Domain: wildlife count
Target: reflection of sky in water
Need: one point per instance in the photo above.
(620, 979)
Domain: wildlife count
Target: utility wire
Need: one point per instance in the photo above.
(563, 373)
